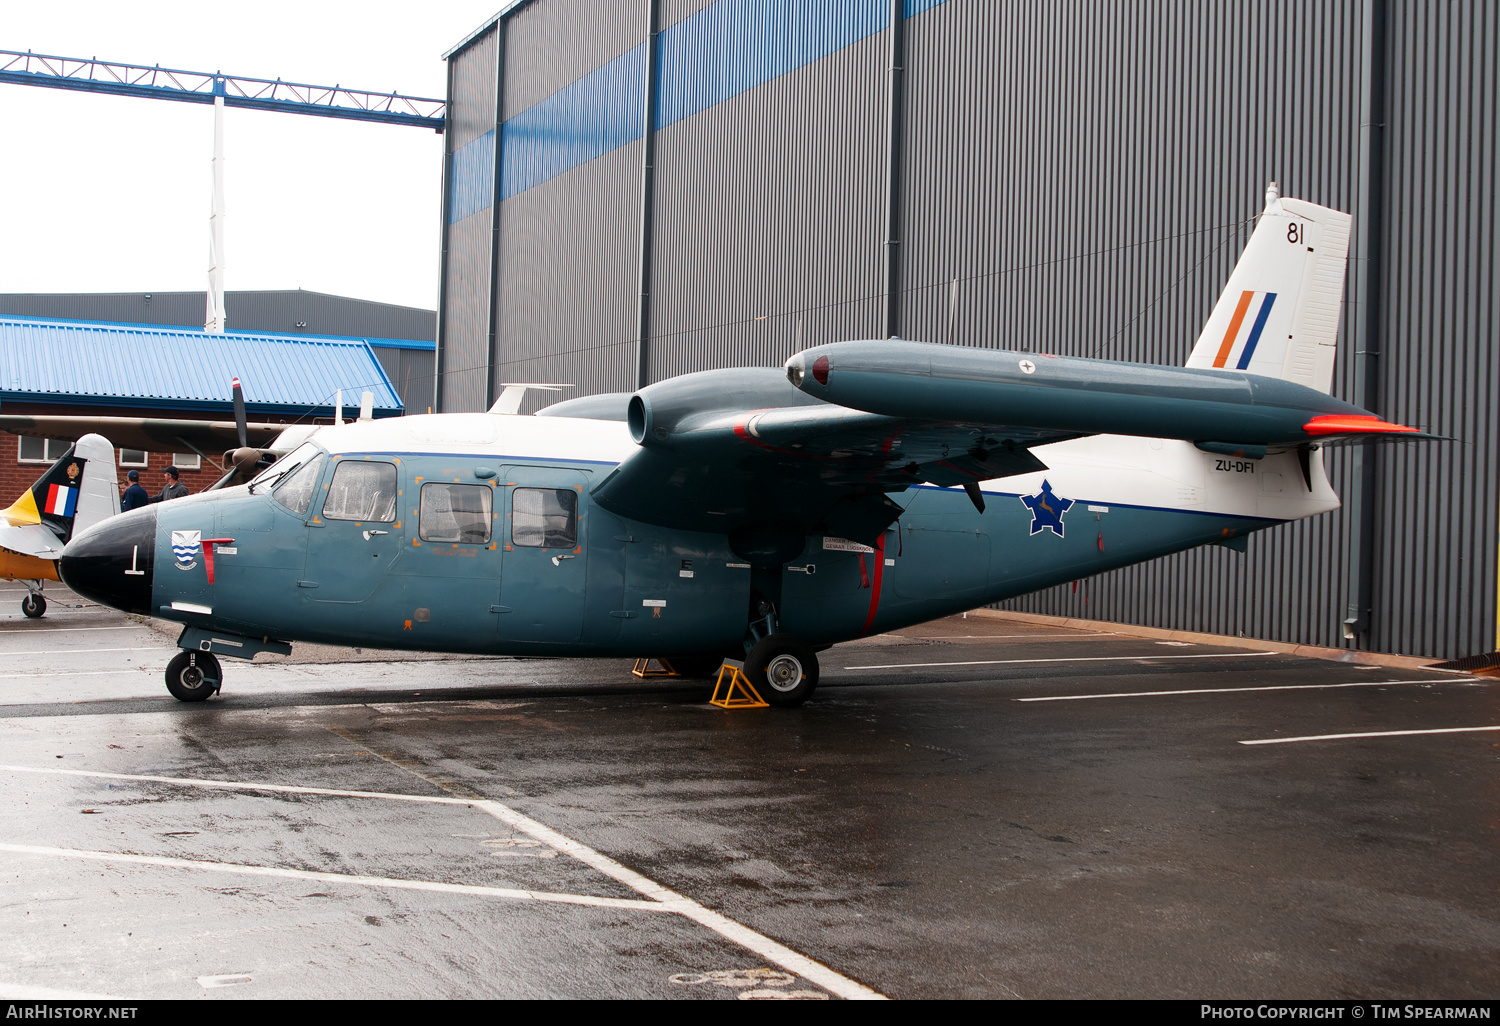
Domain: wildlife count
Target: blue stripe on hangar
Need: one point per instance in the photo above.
(722, 51)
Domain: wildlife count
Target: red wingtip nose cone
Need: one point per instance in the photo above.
(820, 370)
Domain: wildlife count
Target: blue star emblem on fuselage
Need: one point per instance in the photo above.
(1046, 510)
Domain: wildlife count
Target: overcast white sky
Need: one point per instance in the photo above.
(110, 194)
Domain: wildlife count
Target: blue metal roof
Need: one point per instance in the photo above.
(396, 343)
(183, 368)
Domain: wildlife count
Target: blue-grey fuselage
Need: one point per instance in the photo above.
(601, 584)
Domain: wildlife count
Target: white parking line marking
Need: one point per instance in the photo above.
(337, 878)
(232, 785)
(59, 630)
(232, 980)
(66, 673)
(1225, 691)
(665, 898)
(81, 651)
(1070, 659)
(815, 972)
(1372, 733)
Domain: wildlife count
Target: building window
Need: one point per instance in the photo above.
(42, 450)
(132, 458)
(187, 461)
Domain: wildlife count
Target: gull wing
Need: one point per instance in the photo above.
(726, 450)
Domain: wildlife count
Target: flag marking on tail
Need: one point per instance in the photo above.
(61, 500)
(1267, 300)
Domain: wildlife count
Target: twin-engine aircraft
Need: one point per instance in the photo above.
(76, 492)
(761, 513)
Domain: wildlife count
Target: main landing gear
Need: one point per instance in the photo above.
(194, 676)
(783, 669)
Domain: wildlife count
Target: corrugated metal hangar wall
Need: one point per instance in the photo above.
(1069, 176)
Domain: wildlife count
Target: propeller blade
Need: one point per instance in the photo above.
(239, 411)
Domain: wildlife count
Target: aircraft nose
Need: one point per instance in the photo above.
(111, 563)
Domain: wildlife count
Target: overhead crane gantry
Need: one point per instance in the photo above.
(221, 90)
(155, 82)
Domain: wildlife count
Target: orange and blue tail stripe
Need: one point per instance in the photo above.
(1237, 322)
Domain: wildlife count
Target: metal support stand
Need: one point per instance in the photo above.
(737, 692)
(664, 668)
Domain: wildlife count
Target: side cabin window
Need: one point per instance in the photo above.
(544, 517)
(296, 492)
(363, 491)
(455, 513)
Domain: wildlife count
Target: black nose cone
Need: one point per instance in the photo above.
(111, 563)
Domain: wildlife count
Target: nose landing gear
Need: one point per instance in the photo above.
(194, 676)
(34, 605)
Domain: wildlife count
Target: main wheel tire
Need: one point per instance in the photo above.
(34, 605)
(783, 670)
(193, 676)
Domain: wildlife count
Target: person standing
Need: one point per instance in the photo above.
(135, 496)
(173, 488)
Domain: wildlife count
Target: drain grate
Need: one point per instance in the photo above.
(1472, 664)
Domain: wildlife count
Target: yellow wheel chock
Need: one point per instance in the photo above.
(737, 691)
(643, 669)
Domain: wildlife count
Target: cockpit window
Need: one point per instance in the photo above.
(279, 470)
(456, 513)
(544, 517)
(363, 491)
(295, 492)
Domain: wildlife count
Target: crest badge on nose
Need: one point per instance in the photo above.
(185, 546)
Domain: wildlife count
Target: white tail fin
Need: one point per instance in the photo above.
(99, 494)
(1279, 314)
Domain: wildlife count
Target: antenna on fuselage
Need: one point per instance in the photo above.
(514, 392)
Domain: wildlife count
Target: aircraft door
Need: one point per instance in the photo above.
(449, 573)
(544, 568)
(355, 534)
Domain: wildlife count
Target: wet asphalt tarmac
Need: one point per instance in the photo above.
(975, 808)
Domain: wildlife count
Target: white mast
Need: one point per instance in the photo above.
(214, 316)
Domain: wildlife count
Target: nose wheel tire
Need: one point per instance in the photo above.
(783, 670)
(33, 606)
(193, 676)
